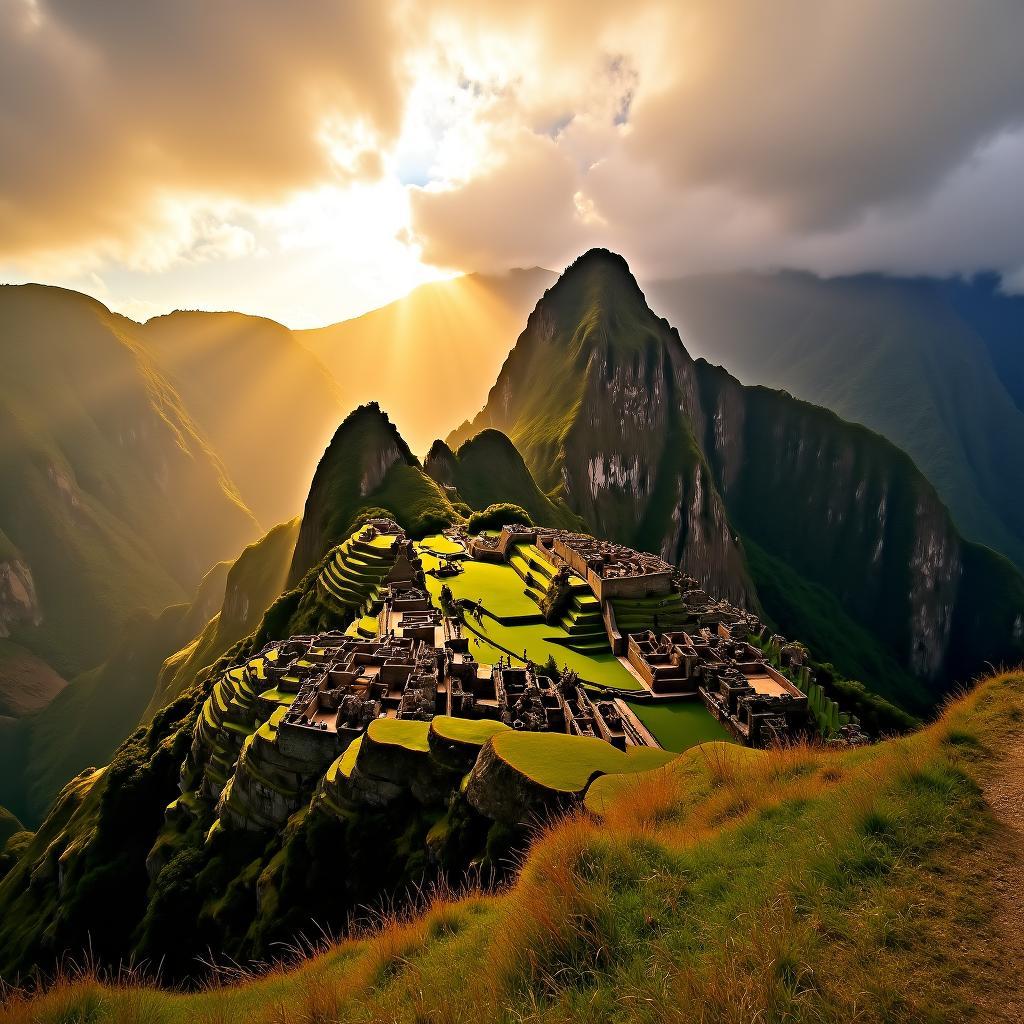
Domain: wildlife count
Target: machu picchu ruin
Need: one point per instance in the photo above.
(454, 640)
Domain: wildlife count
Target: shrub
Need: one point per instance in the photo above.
(496, 516)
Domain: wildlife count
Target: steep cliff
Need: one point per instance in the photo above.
(677, 457)
(599, 395)
(936, 366)
(367, 466)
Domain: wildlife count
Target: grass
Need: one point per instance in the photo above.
(442, 545)
(603, 668)
(502, 590)
(399, 732)
(681, 724)
(567, 763)
(466, 730)
(802, 884)
(498, 586)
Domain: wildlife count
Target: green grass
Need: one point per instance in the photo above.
(790, 885)
(567, 763)
(441, 544)
(497, 585)
(681, 724)
(465, 730)
(400, 733)
(602, 668)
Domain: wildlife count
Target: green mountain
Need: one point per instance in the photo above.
(675, 456)
(935, 366)
(113, 500)
(595, 395)
(487, 470)
(367, 468)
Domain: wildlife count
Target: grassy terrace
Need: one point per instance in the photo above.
(680, 724)
(602, 668)
(400, 733)
(501, 589)
(792, 885)
(466, 730)
(498, 586)
(566, 764)
(440, 544)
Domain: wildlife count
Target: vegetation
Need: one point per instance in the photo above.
(496, 516)
(488, 471)
(680, 724)
(568, 763)
(797, 884)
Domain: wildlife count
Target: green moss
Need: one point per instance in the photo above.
(400, 732)
(567, 763)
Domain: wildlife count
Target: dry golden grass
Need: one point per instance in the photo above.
(804, 884)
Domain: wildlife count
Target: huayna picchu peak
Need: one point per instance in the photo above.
(739, 485)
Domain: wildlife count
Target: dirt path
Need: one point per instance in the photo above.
(1005, 794)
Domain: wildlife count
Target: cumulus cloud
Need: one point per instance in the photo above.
(829, 135)
(520, 212)
(108, 109)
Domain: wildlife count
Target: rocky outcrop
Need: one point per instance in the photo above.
(18, 602)
(500, 791)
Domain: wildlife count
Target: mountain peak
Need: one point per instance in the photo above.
(357, 460)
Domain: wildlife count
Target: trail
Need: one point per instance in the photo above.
(1004, 792)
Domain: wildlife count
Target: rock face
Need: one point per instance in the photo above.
(18, 601)
(675, 456)
(599, 395)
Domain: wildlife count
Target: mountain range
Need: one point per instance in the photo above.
(599, 419)
(122, 437)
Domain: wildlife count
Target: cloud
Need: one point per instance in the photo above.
(519, 212)
(141, 136)
(108, 110)
(824, 109)
(832, 136)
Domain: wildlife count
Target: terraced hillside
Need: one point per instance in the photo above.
(352, 575)
(871, 885)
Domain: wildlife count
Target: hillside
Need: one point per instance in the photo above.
(255, 392)
(113, 501)
(366, 467)
(935, 366)
(675, 456)
(433, 354)
(877, 885)
(487, 470)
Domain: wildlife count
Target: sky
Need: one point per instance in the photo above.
(309, 161)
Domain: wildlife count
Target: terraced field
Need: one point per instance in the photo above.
(353, 576)
(680, 724)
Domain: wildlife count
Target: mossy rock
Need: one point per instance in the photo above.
(524, 776)
(456, 742)
(395, 756)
